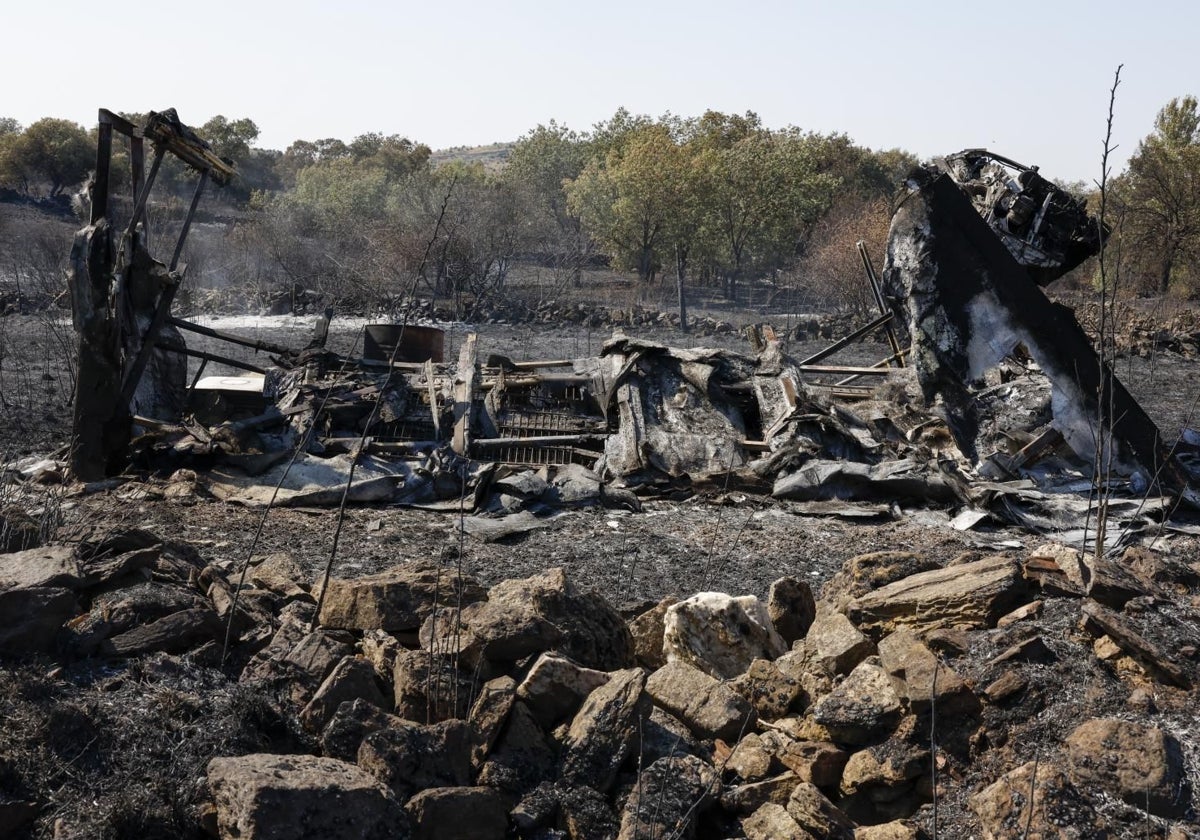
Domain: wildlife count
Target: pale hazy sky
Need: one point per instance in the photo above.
(1027, 79)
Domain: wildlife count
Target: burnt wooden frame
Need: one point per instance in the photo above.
(106, 378)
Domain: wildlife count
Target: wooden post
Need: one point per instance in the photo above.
(464, 395)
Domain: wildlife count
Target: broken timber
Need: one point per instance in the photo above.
(121, 297)
(969, 303)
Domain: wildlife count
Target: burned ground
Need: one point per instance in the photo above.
(112, 748)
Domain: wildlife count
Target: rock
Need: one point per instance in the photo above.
(892, 766)
(1031, 610)
(1057, 809)
(772, 822)
(1152, 637)
(951, 641)
(536, 809)
(836, 645)
(647, 633)
(770, 692)
(458, 813)
(545, 612)
(867, 572)
(1007, 685)
(894, 830)
(1057, 569)
(800, 665)
(352, 678)
(556, 687)
(750, 759)
(746, 799)
(381, 650)
(267, 663)
(862, 707)
(488, 715)
(585, 814)
(817, 815)
(396, 600)
(720, 634)
(926, 679)
(670, 797)
(52, 566)
(522, 757)
(710, 708)
(174, 633)
(605, 729)
(33, 617)
(18, 532)
(972, 594)
(791, 608)
(663, 735)
(351, 722)
(429, 687)
(1142, 765)
(1033, 649)
(408, 757)
(272, 797)
(818, 762)
(446, 632)
(281, 574)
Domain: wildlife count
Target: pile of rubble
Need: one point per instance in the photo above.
(438, 708)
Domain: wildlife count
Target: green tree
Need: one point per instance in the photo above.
(767, 188)
(540, 164)
(1159, 198)
(51, 152)
(623, 199)
(231, 139)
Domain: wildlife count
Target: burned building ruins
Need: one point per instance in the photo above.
(970, 246)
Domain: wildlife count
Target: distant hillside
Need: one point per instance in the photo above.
(492, 156)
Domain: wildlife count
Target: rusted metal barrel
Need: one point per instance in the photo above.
(417, 344)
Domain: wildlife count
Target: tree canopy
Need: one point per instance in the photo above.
(1159, 200)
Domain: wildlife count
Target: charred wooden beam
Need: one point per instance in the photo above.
(213, 357)
(252, 343)
(842, 343)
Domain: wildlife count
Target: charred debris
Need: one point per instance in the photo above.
(990, 401)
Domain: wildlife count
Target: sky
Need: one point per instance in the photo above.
(1029, 80)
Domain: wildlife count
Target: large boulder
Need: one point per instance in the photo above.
(407, 757)
(862, 707)
(396, 600)
(353, 678)
(289, 797)
(605, 730)
(973, 594)
(864, 573)
(709, 707)
(1056, 808)
(834, 644)
(33, 617)
(430, 687)
(927, 680)
(546, 612)
(521, 758)
(1141, 764)
(669, 799)
(647, 632)
(556, 687)
(50, 566)
(720, 634)
(458, 813)
(791, 608)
